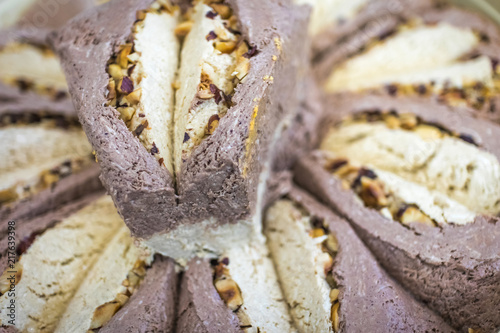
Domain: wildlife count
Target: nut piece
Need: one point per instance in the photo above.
(413, 214)
(230, 293)
(331, 243)
(122, 58)
(372, 193)
(122, 299)
(115, 71)
(212, 125)
(427, 132)
(316, 232)
(223, 10)
(134, 97)
(335, 316)
(103, 314)
(8, 195)
(126, 113)
(408, 120)
(334, 295)
(183, 28)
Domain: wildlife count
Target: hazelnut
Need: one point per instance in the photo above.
(230, 293)
(331, 243)
(134, 97)
(122, 58)
(392, 121)
(334, 295)
(212, 125)
(242, 68)
(413, 214)
(122, 299)
(115, 71)
(223, 10)
(428, 132)
(408, 120)
(372, 193)
(316, 232)
(111, 89)
(126, 113)
(183, 28)
(335, 316)
(125, 85)
(103, 313)
(225, 47)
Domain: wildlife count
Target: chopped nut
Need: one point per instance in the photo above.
(223, 10)
(372, 193)
(225, 47)
(328, 265)
(8, 195)
(334, 165)
(331, 243)
(134, 97)
(7, 279)
(212, 125)
(316, 232)
(111, 89)
(211, 36)
(140, 15)
(413, 214)
(103, 314)
(122, 58)
(115, 71)
(230, 293)
(335, 316)
(125, 85)
(122, 299)
(408, 120)
(134, 57)
(204, 93)
(428, 132)
(183, 28)
(242, 68)
(126, 113)
(334, 295)
(392, 121)
(48, 178)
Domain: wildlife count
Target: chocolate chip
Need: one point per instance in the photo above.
(216, 91)
(127, 85)
(211, 14)
(392, 89)
(225, 261)
(186, 137)
(336, 164)
(422, 89)
(211, 35)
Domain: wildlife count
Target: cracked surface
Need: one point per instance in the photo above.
(55, 265)
(425, 156)
(296, 254)
(328, 12)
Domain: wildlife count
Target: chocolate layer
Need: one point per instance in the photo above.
(62, 192)
(152, 307)
(200, 307)
(455, 269)
(230, 159)
(368, 297)
(14, 101)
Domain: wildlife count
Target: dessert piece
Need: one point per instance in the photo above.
(31, 78)
(77, 268)
(330, 279)
(183, 174)
(40, 13)
(237, 292)
(420, 185)
(342, 26)
(447, 54)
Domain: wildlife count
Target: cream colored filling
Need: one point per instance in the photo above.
(263, 305)
(33, 148)
(155, 74)
(300, 263)
(415, 55)
(56, 264)
(328, 12)
(102, 284)
(447, 165)
(12, 10)
(27, 62)
(199, 56)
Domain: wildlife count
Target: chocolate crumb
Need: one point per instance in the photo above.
(422, 89)
(217, 93)
(127, 85)
(142, 115)
(160, 161)
(140, 128)
(225, 261)
(336, 164)
(130, 70)
(392, 89)
(211, 35)
(186, 137)
(468, 138)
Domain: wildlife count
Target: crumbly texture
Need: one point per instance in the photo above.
(264, 308)
(449, 165)
(290, 242)
(368, 296)
(55, 265)
(152, 308)
(458, 263)
(221, 176)
(154, 74)
(102, 283)
(330, 12)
